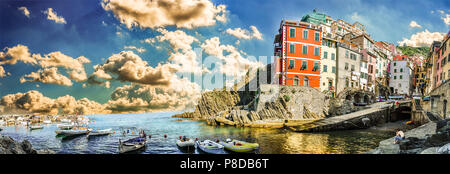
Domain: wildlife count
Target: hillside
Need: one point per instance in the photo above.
(410, 51)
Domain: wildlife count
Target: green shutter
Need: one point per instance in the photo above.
(305, 49)
(305, 34)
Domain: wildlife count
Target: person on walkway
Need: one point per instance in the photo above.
(399, 135)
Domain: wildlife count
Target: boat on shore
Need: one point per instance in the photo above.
(132, 145)
(47, 121)
(210, 147)
(103, 132)
(239, 146)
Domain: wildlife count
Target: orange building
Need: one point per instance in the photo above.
(297, 54)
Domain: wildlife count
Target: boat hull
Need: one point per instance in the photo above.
(219, 149)
(244, 147)
(132, 145)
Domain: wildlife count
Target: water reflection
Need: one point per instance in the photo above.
(271, 141)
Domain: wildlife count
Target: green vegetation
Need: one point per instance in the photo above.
(410, 51)
(286, 98)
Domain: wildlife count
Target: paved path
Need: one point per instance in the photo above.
(340, 119)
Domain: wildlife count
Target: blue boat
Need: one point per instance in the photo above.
(210, 147)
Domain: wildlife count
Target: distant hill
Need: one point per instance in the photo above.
(410, 51)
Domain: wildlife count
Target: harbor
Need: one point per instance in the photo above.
(156, 125)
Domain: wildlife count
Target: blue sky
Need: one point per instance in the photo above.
(92, 32)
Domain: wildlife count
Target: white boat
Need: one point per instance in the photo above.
(36, 127)
(210, 147)
(65, 126)
(131, 145)
(65, 120)
(2, 122)
(47, 121)
(100, 132)
(71, 133)
(185, 142)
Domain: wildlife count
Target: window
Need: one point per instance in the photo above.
(401, 77)
(296, 81)
(346, 66)
(291, 64)
(325, 55)
(305, 34)
(395, 63)
(305, 49)
(332, 56)
(353, 68)
(291, 48)
(325, 68)
(395, 70)
(346, 54)
(292, 32)
(401, 69)
(316, 66)
(316, 51)
(352, 56)
(333, 69)
(395, 77)
(306, 82)
(316, 36)
(304, 65)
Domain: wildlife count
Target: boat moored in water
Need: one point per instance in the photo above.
(132, 144)
(103, 132)
(210, 147)
(239, 146)
(72, 133)
(36, 127)
(184, 142)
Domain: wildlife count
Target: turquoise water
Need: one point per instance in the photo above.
(272, 141)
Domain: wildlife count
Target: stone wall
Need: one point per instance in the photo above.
(440, 100)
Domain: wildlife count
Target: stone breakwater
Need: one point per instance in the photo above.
(10, 146)
(430, 138)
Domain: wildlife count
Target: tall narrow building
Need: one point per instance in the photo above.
(297, 54)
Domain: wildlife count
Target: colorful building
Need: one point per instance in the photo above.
(298, 54)
(401, 83)
(348, 67)
(328, 71)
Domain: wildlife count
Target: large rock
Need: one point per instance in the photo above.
(444, 149)
(27, 147)
(9, 146)
(431, 150)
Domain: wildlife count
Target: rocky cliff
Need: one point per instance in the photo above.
(271, 106)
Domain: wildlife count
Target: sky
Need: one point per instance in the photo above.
(128, 53)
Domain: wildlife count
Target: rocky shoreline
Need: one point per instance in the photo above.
(430, 138)
(272, 106)
(10, 146)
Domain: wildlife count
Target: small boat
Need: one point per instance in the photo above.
(184, 142)
(65, 120)
(1, 129)
(65, 126)
(239, 146)
(72, 133)
(210, 147)
(36, 127)
(132, 145)
(100, 132)
(47, 121)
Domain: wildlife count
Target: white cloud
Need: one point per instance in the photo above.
(51, 15)
(25, 11)
(73, 67)
(139, 50)
(420, 39)
(159, 13)
(235, 65)
(446, 19)
(245, 34)
(414, 24)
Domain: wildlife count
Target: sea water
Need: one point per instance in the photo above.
(271, 141)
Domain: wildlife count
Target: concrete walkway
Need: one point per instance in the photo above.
(337, 122)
